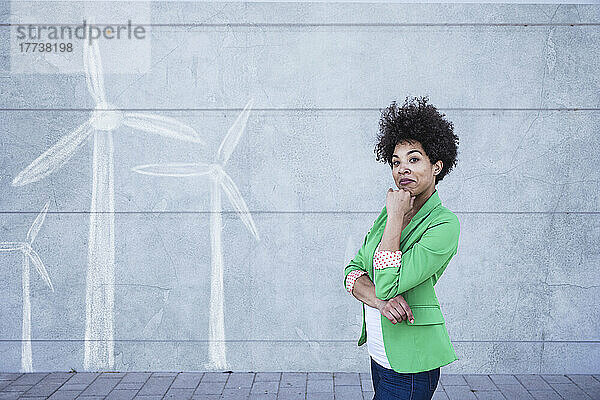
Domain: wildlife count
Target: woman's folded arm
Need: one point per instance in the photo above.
(396, 272)
(355, 268)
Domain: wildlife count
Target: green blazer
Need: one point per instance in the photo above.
(427, 243)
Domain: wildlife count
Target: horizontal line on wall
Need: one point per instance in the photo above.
(302, 212)
(287, 341)
(298, 109)
(317, 24)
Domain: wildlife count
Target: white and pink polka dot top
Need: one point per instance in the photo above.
(381, 259)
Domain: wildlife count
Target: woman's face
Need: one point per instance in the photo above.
(410, 163)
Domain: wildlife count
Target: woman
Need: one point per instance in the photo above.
(405, 253)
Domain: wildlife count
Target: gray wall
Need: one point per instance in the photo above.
(520, 83)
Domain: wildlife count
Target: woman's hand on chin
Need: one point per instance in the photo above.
(398, 203)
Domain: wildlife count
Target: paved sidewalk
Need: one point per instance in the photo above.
(280, 385)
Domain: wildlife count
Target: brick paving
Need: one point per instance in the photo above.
(280, 385)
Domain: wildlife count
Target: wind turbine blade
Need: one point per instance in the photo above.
(37, 261)
(238, 202)
(173, 169)
(233, 135)
(37, 224)
(164, 126)
(94, 76)
(55, 156)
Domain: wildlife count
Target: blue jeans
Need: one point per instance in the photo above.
(391, 385)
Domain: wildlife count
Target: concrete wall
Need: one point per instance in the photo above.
(520, 83)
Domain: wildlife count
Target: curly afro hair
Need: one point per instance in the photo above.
(417, 120)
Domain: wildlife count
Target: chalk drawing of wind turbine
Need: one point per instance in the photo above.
(220, 180)
(99, 346)
(29, 254)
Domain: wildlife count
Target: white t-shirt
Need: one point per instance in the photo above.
(375, 335)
